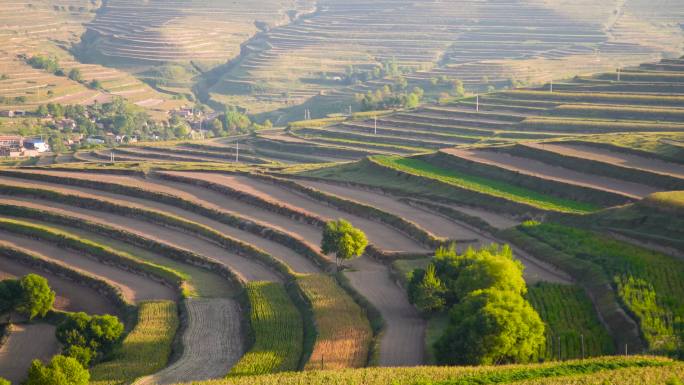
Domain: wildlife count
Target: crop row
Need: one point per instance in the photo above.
(145, 350)
(573, 329)
(277, 331)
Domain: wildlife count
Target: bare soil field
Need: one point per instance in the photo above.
(248, 269)
(26, 343)
(379, 234)
(613, 157)
(433, 223)
(559, 174)
(494, 219)
(403, 340)
(134, 287)
(212, 343)
(210, 199)
(70, 296)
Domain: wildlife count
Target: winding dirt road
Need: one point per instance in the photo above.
(26, 343)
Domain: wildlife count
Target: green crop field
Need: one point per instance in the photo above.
(145, 350)
(574, 330)
(277, 330)
(647, 282)
(483, 185)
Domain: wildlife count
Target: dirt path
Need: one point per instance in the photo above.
(213, 200)
(134, 287)
(433, 223)
(26, 343)
(245, 267)
(494, 219)
(212, 343)
(379, 234)
(613, 157)
(542, 170)
(70, 295)
(403, 341)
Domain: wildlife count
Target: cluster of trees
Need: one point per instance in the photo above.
(61, 370)
(343, 240)
(30, 296)
(89, 338)
(387, 68)
(51, 64)
(490, 321)
(387, 97)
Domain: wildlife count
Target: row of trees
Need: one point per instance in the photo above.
(490, 321)
(51, 64)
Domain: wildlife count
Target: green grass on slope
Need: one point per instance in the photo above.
(648, 283)
(145, 350)
(570, 317)
(277, 329)
(547, 373)
(484, 185)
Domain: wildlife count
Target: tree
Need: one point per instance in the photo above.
(4, 382)
(426, 291)
(42, 110)
(459, 90)
(75, 75)
(37, 297)
(491, 327)
(86, 337)
(343, 239)
(60, 371)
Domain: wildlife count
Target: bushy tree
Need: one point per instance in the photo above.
(426, 290)
(491, 326)
(75, 75)
(343, 240)
(60, 371)
(86, 337)
(36, 296)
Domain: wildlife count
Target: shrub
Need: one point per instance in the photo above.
(86, 337)
(60, 371)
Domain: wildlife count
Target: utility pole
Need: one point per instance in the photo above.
(237, 151)
(477, 103)
(618, 74)
(111, 156)
(350, 110)
(551, 86)
(375, 127)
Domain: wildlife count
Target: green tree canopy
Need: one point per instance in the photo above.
(86, 337)
(491, 326)
(4, 382)
(60, 371)
(343, 239)
(37, 297)
(426, 291)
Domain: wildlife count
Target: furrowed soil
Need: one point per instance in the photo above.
(249, 269)
(134, 287)
(378, 234)
(26, 343)
(206, 198)
(541, 170)
(614, 157)
(70, 296)
(212, 343)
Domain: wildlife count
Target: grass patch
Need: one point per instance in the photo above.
(277, 330)
(145, 350)
(484, 185)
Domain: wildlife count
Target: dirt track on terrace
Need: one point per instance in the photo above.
(248, 269)
(70, 295)
(538, 169)
(210, 199)
(494, 219)
(134, 287)
(26, 343)
(402, 343)
(379, 234)
(614, 157)
(212, 343)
